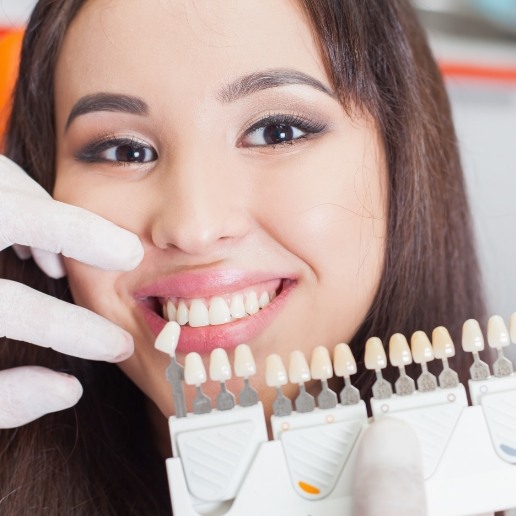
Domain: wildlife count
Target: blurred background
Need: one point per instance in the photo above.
(474, 42)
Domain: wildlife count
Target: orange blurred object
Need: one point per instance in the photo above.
(10, 46)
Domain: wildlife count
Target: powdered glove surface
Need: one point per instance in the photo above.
(388, 478)
(46, 228)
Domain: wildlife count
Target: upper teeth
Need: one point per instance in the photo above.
(218, 310)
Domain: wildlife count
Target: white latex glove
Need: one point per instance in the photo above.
(45, 227)
(388, 478)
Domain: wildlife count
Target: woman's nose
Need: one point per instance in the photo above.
(200, 209)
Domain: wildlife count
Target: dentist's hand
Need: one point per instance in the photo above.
(39, 226)
(388, 478)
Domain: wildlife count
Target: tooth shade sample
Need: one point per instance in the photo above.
(374, 357)
(497, 333)
(220, 369)
(472, 338)
(442, 343)
(168, 338)
(264, 300)
(237, 307)
(218, 312)
(321, 366)
(298, 370)
(399, 350)
(343, 361)
(275, 372)
(182, 313)
(244, 362)
(171, 311)
(251, 303)
(512, 327)
(198, 315)
(421, 348)
(195, 372)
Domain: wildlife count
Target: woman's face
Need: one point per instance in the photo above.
(211, 130)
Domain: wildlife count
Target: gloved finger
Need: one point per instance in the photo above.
(51, 264)
(388, 478)
(30, 316)
(29, 216)
(29, 392)
(22, 251)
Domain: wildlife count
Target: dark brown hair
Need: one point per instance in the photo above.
(98, 457)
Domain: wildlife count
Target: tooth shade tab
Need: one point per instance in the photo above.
(321, 367)
(275, 372)
(472, 338)
(220, 368)
(512, 327)
(442, 343)
(375, 358)
(421, 347)
(244, 363)
(195, 372)
(497, 333)
(344, 363)
(399, 351)
(298, 370)
(168, 338)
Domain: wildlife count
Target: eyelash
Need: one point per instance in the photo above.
(92, 152)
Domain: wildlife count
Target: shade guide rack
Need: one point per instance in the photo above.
(224, 464)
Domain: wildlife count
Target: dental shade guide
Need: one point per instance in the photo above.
(224, 464)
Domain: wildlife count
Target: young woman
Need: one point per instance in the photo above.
(300, 154)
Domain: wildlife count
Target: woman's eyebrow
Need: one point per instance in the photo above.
(273, 78)
(107, 102)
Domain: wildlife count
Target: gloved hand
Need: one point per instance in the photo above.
(44, 228)
(388, 478)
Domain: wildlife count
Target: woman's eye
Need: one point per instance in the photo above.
(280, 130)
(274, 134)
(117, 150)
(129, 154)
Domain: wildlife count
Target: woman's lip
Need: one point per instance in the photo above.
(206, 338)
(203, 284)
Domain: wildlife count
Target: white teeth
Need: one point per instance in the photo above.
(321, 366)
(171, 311)
(195, 372)
(218, 312)
(198, 315)
(220, 368)
(298, 370)
(237, 307)
(244, 363)
(374, 357)
(275, 372)
(182, 313)
(251, 303)
(343, 361)
(399, 351)
(264, 300)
